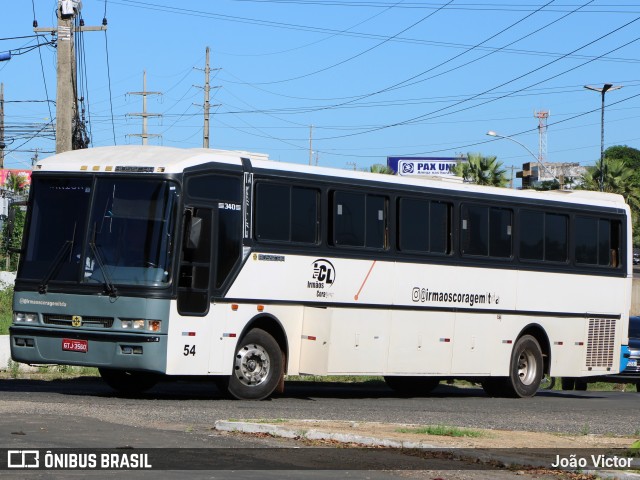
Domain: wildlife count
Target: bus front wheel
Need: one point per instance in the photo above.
(128, 382)
(258, 366)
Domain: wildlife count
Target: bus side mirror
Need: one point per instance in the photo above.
(193, 234)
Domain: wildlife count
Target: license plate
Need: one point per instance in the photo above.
(632, 363)
(75, 345)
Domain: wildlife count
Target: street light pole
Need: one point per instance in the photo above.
(491, 133)
(606, 87)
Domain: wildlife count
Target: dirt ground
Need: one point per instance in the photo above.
(493, 454)
(486, 438)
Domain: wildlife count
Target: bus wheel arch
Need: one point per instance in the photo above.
(529, 361)
(260, 360)
(537, 332)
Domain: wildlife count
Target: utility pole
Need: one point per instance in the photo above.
(310, 144)
(66, 11)
(145, 135)
(603, 90)
(34, 159)
(2, 144)
(511, 184)
(206, 106)
(205, 132)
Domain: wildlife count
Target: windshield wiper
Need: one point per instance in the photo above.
(110, 288)
(66, 246)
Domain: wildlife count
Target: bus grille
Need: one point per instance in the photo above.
(65, 321)
(600, 343)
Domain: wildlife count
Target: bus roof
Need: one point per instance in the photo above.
(157, 159)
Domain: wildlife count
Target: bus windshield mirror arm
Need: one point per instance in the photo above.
(110, 288)
(66, 246)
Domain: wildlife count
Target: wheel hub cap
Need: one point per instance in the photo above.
(252, 365)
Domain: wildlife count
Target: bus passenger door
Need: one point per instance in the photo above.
(194, 276)
(189, 331)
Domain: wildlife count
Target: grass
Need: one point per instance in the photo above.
(49, 372)
(335, 378)
(6, 310)
(442, 431)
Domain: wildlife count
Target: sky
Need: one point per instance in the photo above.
(363, 79)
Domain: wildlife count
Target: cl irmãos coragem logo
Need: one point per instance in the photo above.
(324, 274)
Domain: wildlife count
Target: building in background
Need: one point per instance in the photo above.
(567, 174)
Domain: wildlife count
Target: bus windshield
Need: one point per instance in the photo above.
(104, 231)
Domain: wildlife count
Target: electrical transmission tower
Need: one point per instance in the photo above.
(542, 117)
(542, 134)
(144, 93)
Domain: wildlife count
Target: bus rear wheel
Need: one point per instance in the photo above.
(258, 366)
(417, 386)
(526, 367)
(128, 382)
(525, 372)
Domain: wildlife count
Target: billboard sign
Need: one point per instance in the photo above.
(417, 166)
(24, 174)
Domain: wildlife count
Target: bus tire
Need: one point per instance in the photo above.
(258, 366)
(128, 382)
(526, 370)
(568, 383)
(412, 386)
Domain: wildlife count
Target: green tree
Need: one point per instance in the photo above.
(13, 241)
(618, 178)
(380, 168)
(629, 155)
(548, 185)
(482, 170)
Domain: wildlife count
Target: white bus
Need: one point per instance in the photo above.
(150, 261)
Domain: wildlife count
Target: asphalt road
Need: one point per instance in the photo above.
(185, 405)
(84, 413)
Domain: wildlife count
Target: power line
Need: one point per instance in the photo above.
(353, 57)
(473, 97)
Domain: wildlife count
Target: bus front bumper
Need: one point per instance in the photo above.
(130, 351)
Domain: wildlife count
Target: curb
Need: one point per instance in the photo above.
(481, 456)
(314, 434)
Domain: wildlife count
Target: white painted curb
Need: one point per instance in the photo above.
(313, 434)
(5, 357)
(5, 352)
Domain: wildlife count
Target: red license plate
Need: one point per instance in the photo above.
(75, 345)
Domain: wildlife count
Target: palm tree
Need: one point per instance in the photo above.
(482, 170)
(380, 168)
(617, 178)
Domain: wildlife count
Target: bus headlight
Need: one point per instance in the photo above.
(131, 324)
(140, 324)
(24, 317)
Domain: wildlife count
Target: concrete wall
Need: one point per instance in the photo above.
(635, 297)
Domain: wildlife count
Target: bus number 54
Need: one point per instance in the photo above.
(189, 350)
